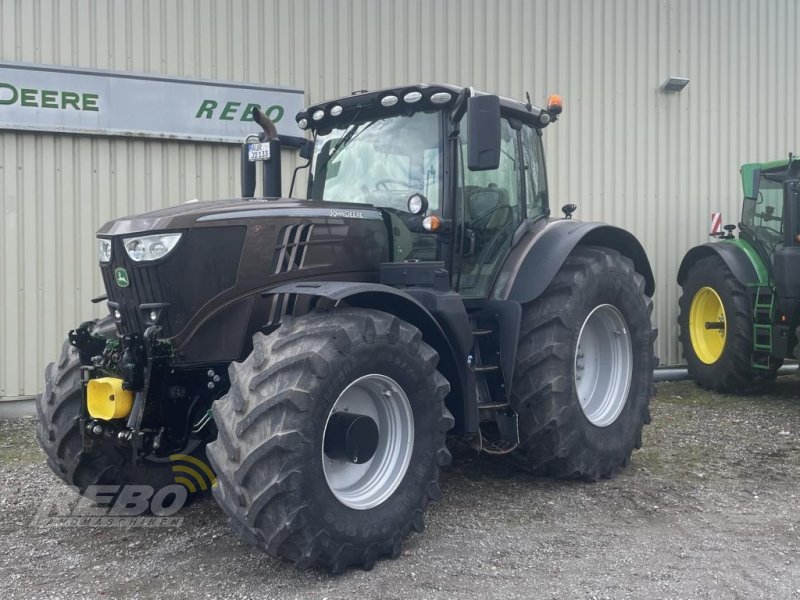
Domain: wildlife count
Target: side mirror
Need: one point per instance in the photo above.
(751, 179)
(306, 149)
(756, 183)
(483, 133)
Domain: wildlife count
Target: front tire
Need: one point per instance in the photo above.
(290, 494)
(719, 359)
(584, 374)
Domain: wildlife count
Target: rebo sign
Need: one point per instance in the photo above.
(56, 99)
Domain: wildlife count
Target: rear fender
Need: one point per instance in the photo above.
(738, 256)
(537, 258)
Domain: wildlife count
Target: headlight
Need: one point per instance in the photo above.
(417, 204)
(150, 247)
(104, 250)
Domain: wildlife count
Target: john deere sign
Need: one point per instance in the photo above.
(40, 98)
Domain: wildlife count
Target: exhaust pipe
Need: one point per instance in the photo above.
(264, 148)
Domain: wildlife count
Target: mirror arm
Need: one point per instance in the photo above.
(294, 175)
(460, 107)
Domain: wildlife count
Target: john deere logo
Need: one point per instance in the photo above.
(121, 275)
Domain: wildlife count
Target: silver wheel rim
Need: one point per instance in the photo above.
(365, 486)
(603, 366)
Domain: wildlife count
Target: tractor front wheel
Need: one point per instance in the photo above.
(331, 438)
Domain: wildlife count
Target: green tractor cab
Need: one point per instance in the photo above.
(740, 306)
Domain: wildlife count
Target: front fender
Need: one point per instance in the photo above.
(536, 259)
(440, 316)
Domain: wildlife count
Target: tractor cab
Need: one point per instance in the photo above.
(456, 172)
(770, 218)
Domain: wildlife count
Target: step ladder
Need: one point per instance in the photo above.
(499, 431)
(763, 307)
(488, 376)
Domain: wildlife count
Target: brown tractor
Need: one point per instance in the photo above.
(320, 350)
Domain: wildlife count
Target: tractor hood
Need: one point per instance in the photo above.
(207, 293)
(221, 212)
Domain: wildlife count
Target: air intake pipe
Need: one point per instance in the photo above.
(264, 148)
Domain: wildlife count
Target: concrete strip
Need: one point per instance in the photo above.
(680, 373)
(17, 408)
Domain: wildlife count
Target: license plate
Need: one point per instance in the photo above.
(256, 152)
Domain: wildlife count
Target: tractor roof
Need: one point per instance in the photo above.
(774, 165)
(789, 165)
(368, 105)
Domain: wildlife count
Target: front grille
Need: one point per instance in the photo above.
(144, 287)
(203, 265)
(290, 254)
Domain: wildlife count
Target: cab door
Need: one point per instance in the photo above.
(489, 208)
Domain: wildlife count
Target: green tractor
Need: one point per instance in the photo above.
(317, 351)
(740, 306)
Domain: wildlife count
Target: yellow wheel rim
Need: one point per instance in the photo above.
(707, 325)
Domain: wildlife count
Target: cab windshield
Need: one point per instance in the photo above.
(380, 162)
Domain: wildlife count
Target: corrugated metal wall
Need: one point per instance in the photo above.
(655, 163)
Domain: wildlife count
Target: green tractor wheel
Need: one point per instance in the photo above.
(716, 330)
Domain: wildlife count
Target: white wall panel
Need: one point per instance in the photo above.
(655, 163)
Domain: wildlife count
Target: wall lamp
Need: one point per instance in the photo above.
(674, 84)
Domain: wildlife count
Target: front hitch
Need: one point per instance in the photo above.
(86, 343)
(132, 364)
(142, 358)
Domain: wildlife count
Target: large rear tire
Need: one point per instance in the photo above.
(719, 358)
(59, 434)
(279, 478)
(584, 374)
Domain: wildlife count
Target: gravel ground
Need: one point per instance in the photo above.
(708, 509)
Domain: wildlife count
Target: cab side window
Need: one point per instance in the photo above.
(764, 216)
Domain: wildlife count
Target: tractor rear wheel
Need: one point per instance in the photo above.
(716, 330)
(584, 374)
(58, 431)
(331, 438)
